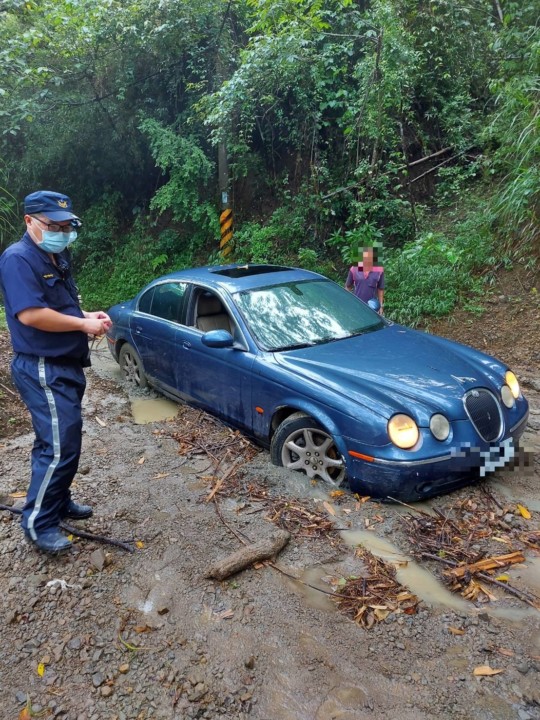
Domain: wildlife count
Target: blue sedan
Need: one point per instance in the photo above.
(333, 389)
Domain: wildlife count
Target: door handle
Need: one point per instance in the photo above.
(186, 344)
(138, 329)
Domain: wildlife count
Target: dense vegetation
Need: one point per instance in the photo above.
(410, 123)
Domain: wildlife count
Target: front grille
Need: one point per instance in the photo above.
(485, 413)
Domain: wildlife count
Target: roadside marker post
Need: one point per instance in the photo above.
(226, 223)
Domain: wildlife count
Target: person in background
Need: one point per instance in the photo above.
(366, 279)
(49, 333)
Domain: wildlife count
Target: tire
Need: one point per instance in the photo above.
(301, 444)
(131, 366)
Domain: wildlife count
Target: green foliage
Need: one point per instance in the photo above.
(438, 270)
(190, 172)
(323, 106)
(9, 219)
(101, 230)
(515, 126)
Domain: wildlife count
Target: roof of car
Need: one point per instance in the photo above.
(238, 277)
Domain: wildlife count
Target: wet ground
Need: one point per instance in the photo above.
(146, 635)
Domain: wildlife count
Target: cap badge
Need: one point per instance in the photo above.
(62, 203)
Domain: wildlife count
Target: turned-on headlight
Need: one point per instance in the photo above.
(512, 382)
(403, 431)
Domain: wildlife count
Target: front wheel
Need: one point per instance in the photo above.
(131, 366)
(300, 443)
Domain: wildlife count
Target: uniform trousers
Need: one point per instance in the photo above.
(52, 390)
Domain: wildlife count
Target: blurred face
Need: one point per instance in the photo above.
(367, 256)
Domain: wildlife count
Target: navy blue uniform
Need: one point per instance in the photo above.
(48, 371)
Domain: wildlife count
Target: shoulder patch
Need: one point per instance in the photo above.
(48, 275)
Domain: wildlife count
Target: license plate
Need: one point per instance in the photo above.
(497, 456)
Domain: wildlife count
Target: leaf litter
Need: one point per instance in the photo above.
(461, 539)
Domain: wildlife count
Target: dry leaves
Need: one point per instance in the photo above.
(373, 596)
(453, 538)
(299, 519)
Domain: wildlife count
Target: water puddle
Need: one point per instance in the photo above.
(426, 586)
(148, 410)
(311, 590)
(419, 580)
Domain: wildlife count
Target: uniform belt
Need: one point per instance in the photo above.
(60, 360)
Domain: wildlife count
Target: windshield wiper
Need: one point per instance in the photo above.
(293, 347)
(332, 339)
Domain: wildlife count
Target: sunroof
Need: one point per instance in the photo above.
(249, 270)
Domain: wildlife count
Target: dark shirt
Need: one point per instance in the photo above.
(365, 288)
(29, 279)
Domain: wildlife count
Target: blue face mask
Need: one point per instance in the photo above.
(55, 242)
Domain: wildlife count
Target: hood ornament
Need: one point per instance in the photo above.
(463, 380)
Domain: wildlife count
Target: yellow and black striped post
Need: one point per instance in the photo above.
(226, 222)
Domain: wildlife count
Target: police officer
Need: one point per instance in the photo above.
(49, 333)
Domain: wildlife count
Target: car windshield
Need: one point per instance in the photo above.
(301, 314)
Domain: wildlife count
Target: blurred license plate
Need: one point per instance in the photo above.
(497, 456)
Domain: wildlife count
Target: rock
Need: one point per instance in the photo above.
(97, 679)
(98, 559)
(107, 691)
(523, 668)
(20, 697)
(124, 668)
(36, 580)
(198, 692)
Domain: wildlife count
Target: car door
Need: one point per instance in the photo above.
(217, 379)
(154, 327)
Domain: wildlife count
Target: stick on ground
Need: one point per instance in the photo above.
(80, 533)
(246, 556)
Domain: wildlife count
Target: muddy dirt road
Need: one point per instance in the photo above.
(102, 634)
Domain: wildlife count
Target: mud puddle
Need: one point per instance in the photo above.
(148, 410)
(426, 586)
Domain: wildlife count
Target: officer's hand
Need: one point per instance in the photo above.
(94, 326)
(99, 315)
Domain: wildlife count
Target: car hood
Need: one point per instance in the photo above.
(396, 369)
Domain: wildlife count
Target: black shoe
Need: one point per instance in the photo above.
(51, 541)
(77, 512)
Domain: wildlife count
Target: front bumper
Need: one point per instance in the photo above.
(409, 480)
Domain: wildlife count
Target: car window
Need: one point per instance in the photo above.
(299, 314)
(209, 312)
(167, 301)
(145, 302)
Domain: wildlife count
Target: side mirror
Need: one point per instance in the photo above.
(217, 339)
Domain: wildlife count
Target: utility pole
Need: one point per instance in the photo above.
(226, 214)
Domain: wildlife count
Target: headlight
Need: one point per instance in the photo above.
(403, 431)
(507, 396)
(512, 382)
(439, 426)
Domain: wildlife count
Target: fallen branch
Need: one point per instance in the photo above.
(528, 598)
(249, 554)
(80, 533)
(487, 564)
(8, 390)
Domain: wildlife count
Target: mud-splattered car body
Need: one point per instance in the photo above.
(332, 388)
